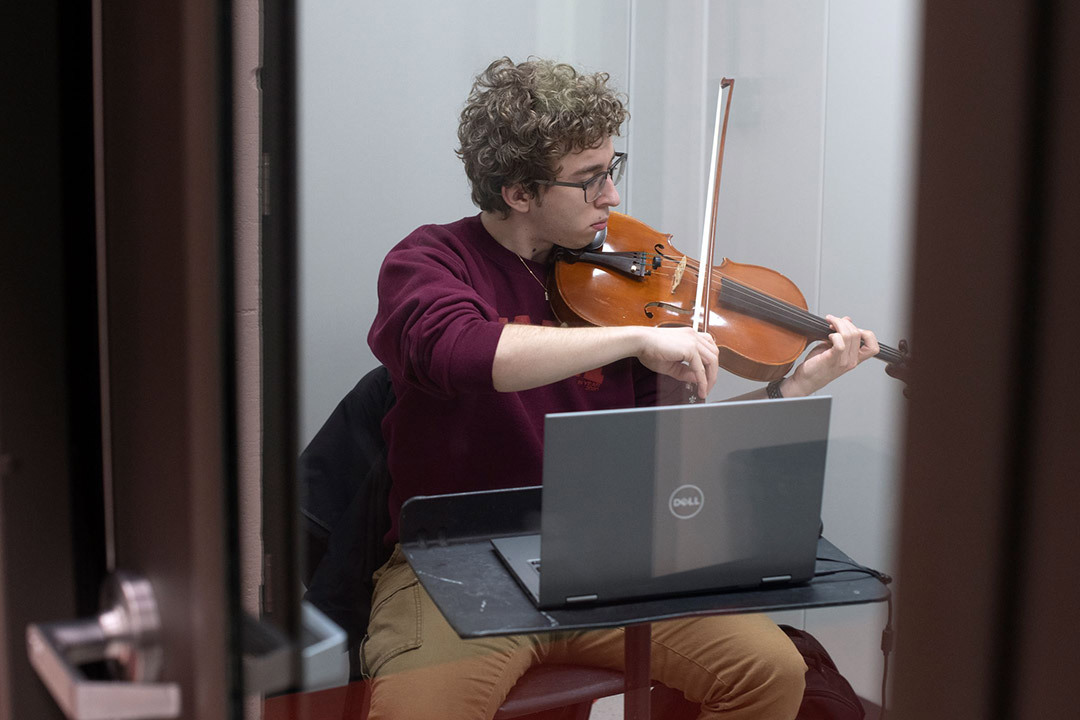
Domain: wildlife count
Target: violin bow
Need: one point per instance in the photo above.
(708, 230)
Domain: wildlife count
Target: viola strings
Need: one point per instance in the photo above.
(772, 308)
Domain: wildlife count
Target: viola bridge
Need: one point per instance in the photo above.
(677, 275)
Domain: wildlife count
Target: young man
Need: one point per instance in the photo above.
(477, 359)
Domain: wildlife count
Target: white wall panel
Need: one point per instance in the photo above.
(871, 111)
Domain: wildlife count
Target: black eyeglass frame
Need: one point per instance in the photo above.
(616, 165)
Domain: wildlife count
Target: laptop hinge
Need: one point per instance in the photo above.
(580, 599)
(775, 579)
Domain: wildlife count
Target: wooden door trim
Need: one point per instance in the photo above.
(168, 275)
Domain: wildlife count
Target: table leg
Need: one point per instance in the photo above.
(637, 650)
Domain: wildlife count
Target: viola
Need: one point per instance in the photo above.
(632, 275)
(635, 276)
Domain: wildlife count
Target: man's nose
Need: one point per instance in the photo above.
(609, 197)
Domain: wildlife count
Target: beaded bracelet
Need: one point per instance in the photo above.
(773, 389)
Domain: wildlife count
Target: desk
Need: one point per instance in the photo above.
(446, 539)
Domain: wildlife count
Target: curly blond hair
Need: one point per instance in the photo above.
(521, 119)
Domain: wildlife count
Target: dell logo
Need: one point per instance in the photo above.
(686, 501)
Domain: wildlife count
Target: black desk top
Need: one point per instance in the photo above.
(446, 539)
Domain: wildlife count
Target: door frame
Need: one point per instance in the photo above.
(160, 214)
(168, 248)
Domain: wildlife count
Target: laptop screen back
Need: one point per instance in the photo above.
(654, 501)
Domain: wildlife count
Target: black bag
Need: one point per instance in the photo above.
(828, 696)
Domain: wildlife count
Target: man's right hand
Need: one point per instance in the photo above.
(688, 356)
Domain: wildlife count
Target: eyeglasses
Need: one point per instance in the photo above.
(595, 185)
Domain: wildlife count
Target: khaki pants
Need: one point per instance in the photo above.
(736, 666)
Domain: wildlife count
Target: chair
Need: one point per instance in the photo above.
(344, 487)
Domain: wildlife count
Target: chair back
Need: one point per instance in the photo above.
(344, 486)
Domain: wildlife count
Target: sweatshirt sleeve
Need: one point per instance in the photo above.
(433, 329)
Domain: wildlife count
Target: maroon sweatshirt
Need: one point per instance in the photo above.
(445, 293)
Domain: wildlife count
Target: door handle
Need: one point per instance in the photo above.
(125, 636)
(324, 661)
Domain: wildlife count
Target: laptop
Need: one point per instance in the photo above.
(648, 502)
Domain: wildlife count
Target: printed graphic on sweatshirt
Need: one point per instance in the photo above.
(590, 380)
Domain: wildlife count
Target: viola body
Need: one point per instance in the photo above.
(640, 278)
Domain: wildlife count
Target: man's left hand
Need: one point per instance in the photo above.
(846, 347)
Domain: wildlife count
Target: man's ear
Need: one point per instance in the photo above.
(517, 197)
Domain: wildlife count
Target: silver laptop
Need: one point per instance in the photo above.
(648, 502)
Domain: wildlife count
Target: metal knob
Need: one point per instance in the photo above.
(125, 635)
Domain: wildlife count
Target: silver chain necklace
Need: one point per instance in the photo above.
(529, 270)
